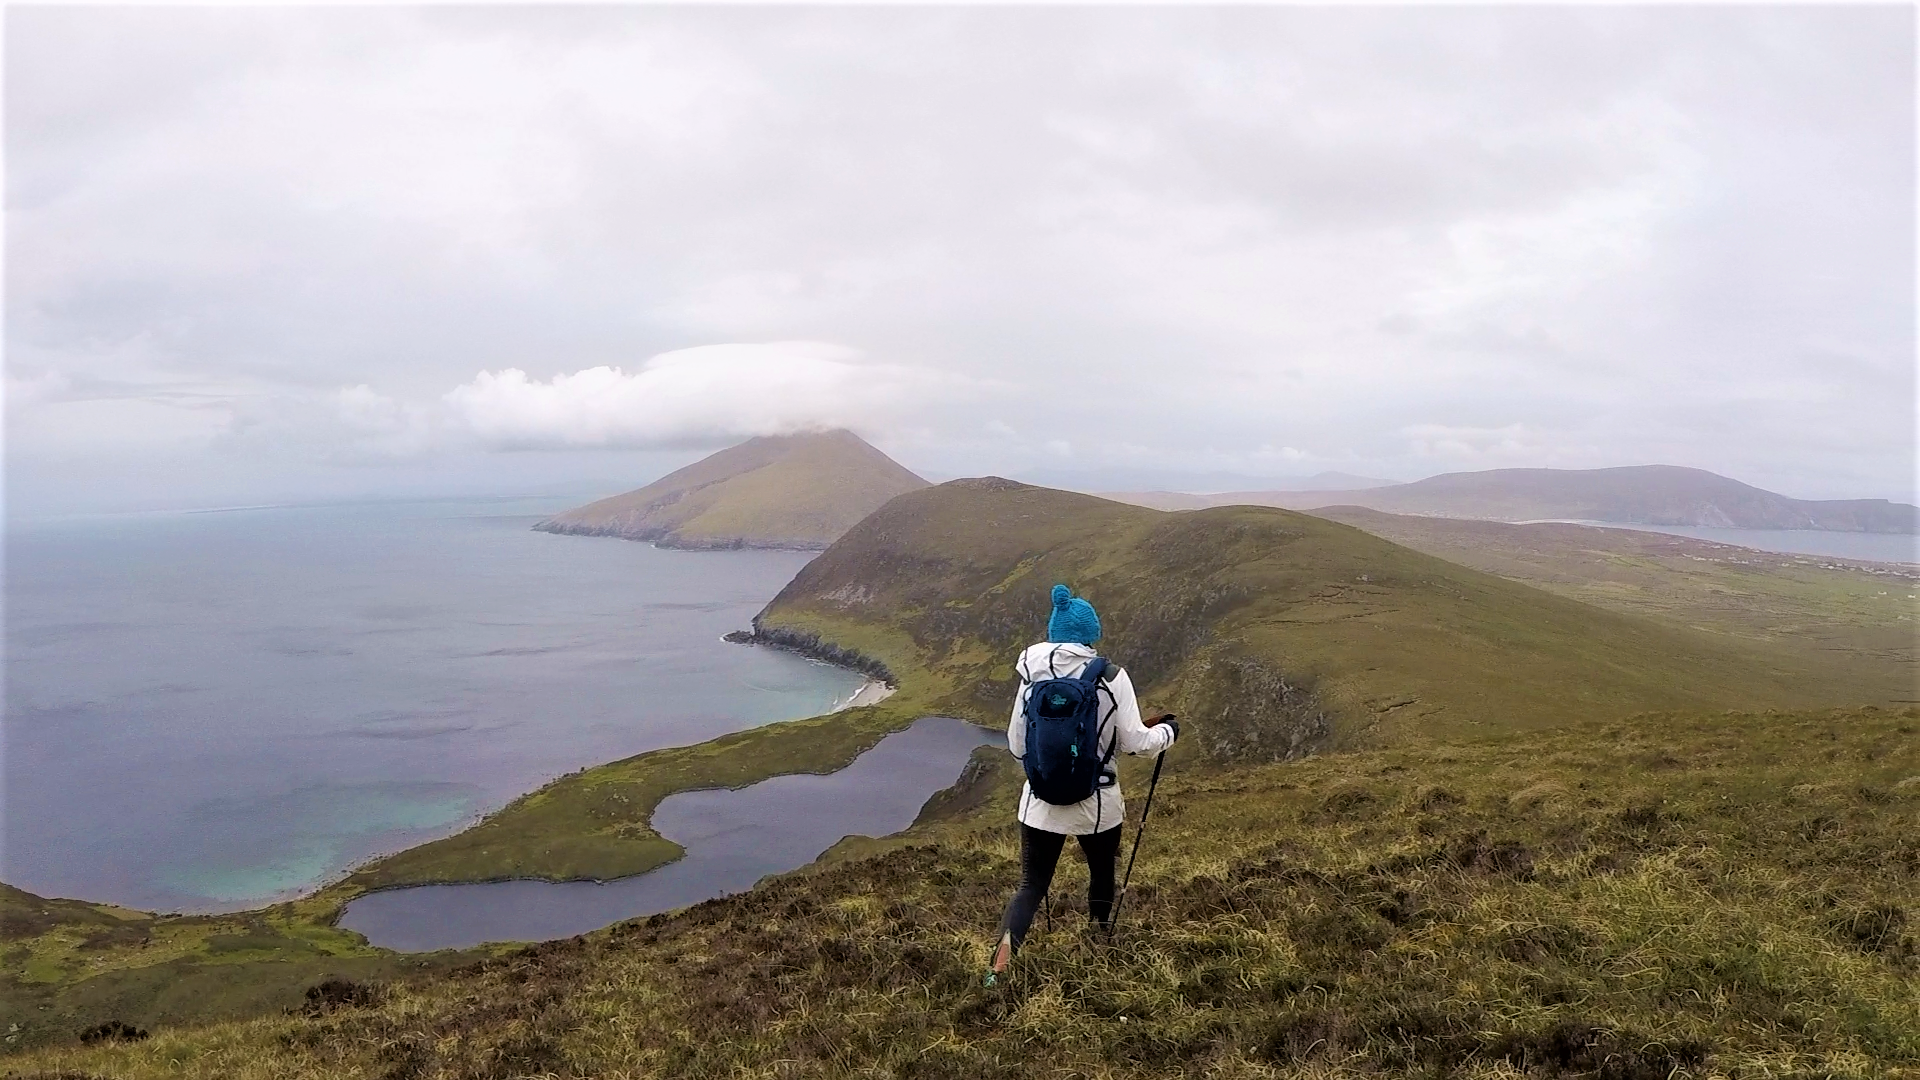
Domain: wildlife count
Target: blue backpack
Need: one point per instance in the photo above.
(1063, 759)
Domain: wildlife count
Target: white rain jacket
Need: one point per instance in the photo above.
(1119, 721)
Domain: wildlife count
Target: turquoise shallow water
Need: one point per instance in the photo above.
(209, 711)
(314, 828)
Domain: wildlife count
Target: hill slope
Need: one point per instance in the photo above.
(1860, 617)
(778, 491)
(1277, 633)
(1724, 895)
(1459, 896)
(1280, 630)
(1638, 494)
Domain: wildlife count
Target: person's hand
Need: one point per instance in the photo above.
(1158, 720)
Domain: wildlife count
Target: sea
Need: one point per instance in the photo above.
(1869, 547)
(211, 711)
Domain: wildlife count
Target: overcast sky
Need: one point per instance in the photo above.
(266, 255)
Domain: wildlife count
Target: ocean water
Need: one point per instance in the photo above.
(1872, 547)
(732, 839)
(209, 711)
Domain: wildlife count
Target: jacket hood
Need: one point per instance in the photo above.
(1064, 654)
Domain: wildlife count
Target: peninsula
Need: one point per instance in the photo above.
(778, 491)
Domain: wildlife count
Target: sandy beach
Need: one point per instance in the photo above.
(872, 692)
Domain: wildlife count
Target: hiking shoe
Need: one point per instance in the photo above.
(1002, 959)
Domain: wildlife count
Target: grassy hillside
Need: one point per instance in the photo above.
(1280, 629)
(1280, 633)
(1642, 494)
(67, 966)
(1679, 895)
(1481, 707)
(793, 491)
(1859, 618)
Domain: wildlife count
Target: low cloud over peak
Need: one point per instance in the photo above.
(696, 397)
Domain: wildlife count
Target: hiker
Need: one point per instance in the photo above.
(1070, 793)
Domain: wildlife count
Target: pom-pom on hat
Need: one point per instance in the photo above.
(1073, 618)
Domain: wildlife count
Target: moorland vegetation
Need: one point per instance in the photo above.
(1859, 618)
(1722, 894)
(1431, 819)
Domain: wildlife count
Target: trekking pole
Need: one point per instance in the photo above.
(1139, 834)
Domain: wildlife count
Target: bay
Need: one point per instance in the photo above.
(209, 711)
(1869, 547)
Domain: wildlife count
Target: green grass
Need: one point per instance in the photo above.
(595, 823)
(70, 965)
(1691, 894)
(1276, 634)
(779, 491)
(66, 966)
(1284, 631)
(1859, 619)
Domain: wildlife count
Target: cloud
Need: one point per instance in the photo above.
(25, 391)
(349, 426)
(1507, 446)
(698, 396)
(1183, 236)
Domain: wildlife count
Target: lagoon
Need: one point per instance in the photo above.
(732, 839)
(207, 712)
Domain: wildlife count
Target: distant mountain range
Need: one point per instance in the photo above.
(778, 491)
(1134, 478)
(1632, 495)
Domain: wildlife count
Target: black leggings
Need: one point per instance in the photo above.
(1039, 854)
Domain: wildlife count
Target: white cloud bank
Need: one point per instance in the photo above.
(696, 396)
(688, 398)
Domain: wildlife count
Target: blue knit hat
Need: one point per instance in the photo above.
(1073, 618)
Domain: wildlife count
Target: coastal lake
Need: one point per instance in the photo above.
(733, 839)
(211, 711)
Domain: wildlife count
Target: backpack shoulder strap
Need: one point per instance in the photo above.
(1098, 670)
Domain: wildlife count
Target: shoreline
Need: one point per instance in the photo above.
(871, 692)
(810, 645)
(628, 847)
